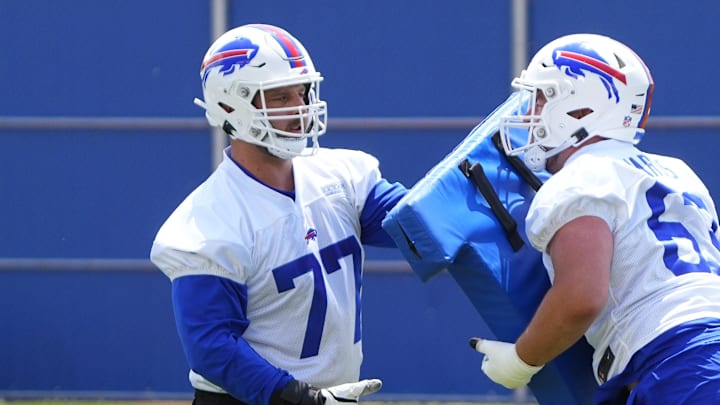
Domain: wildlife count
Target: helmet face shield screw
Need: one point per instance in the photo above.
(243, 92)
(549, 92)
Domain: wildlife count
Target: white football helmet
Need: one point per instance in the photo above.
(591, 73)
(241, 65)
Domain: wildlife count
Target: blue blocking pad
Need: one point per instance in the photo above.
(445, 223)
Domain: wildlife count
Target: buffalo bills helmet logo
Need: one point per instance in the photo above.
(575, 60)
(231, 56)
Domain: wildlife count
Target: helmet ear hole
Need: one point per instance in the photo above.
(226, 107)
(580, 112)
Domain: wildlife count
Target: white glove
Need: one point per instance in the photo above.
(350, 392)
(502, 363)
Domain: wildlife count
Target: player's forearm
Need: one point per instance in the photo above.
(581, 253)
(242, 372)
(232, 364)
(556, 326)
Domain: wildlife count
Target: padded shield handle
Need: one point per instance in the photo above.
(476, 174)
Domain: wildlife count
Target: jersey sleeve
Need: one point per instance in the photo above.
(210, 316)
(196, 241)
(374, 196)
(572, 194)
(210, 301)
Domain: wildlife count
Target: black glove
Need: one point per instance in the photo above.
(297, 393)
(300, 393)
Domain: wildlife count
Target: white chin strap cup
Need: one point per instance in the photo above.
(535, 159)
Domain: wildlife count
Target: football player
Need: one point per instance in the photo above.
(266, 255)
(629, 238)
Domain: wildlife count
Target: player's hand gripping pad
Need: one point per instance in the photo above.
(444, 222)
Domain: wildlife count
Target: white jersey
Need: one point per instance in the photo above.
(300, 259)
(666, 254)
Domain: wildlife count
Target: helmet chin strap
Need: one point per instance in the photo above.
(283, 149)
(289, 148)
